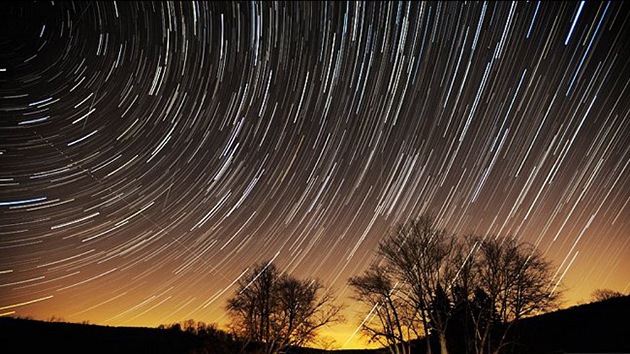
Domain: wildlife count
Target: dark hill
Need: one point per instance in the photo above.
(600, 327)
(30, 336)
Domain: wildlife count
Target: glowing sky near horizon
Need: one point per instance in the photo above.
(150, 152)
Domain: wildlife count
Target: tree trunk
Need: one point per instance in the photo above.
(442, 338)
(426, 333)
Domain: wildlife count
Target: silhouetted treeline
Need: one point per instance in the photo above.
(208, 338)
(30, 336)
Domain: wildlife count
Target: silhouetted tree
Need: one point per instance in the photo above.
(391, 318)
(604, 294)
(278, 311)
(425, 260)
(513, 281)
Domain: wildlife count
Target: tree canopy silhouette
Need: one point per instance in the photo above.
(391, 318)
(605, 294)
(276, 311)
(463, 293)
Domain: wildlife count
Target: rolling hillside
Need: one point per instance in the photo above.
(600, 327)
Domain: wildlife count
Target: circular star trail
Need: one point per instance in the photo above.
(151, 152)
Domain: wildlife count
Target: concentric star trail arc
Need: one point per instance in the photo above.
(153, 151)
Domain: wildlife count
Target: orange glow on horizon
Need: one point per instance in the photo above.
(336, 336)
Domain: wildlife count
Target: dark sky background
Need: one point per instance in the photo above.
(151, 152)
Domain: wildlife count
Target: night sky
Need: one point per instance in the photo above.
(150, 153)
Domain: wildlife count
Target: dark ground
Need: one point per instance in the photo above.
(602, 327)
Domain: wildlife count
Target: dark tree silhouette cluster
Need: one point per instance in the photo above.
(275, 311)
(463, 293)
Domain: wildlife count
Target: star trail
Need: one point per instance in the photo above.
(151, 152)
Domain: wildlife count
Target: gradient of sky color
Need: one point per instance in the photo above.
(151, 152)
